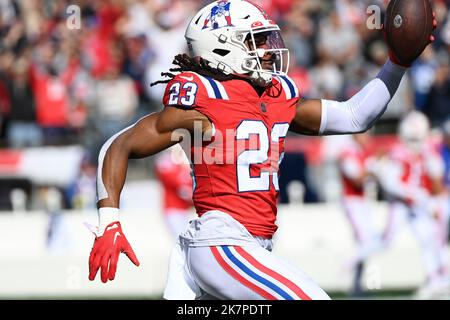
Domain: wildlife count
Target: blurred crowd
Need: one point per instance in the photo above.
(65, 81)
(76, 72)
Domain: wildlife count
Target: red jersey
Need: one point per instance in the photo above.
(52, 102)
(176, 181)
(237, 171)
(352, 163)
(418, 169)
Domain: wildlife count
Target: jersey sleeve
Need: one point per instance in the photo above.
(290, 88)
(434, 166)
(185, 91)
(191, 91)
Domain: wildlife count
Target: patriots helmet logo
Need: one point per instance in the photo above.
(219, 16)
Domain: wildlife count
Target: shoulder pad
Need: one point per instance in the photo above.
(289, 87)
(189, 89)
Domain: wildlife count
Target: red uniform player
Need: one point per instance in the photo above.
(353, 163)
(242, 159)
(231, 104)
(412, 178)
(174, 173)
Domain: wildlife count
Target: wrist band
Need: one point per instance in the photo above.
(105, 217)
(391, 74)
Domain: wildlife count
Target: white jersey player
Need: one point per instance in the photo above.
(409, 179)
(353, 162)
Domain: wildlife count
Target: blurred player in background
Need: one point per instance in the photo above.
(174, 173)
(412, 180)
(442, 197)
(353, 162)
(233, 91)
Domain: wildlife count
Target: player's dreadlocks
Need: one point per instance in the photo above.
(200, 66)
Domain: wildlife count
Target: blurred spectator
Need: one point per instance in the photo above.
(59, 235)
(327, 80)
(445, 151)
(82, 193)
(423, 75)
(138, 57)
(5, 103)
(299, 36)
(338, 41)
(437, 108)
(115, 102)
(294, 180)
(52, 96)
(22, 127)
(169, 21)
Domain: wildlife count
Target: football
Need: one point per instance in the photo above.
(408, 25)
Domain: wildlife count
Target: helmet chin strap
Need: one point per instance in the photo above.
(261, 79)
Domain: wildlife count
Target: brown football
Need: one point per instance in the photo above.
(408, 26)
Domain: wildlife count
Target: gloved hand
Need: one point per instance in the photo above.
(106, 250)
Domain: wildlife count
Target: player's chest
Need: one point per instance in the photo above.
(265, 111)
(413, 170)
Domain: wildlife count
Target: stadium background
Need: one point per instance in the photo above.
(64, 91)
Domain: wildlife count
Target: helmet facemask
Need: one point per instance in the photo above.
(266, 54)
(238, 39)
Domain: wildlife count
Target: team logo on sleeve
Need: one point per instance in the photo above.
(219, 16)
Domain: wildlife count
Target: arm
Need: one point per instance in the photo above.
(355, 174)
(325, 117)
(147, 137)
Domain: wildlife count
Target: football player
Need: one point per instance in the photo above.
(412, 179)
(232, 89)
(173, 172)
(353, 163)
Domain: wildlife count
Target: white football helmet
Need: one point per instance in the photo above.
(237, 37)
(414, 130)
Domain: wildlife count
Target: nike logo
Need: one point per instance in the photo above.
(187, 78)
(115, 237)
(114, 226)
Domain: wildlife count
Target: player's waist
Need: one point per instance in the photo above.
(215, 228)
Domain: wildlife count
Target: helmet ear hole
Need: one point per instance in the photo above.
(249, 64)
(221, 52)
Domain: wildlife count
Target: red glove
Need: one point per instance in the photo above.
(106, 250)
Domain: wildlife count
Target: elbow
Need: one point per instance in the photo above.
(368, 123)
(114, 145)
(362, 130)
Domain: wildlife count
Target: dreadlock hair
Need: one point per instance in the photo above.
(200, 66)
